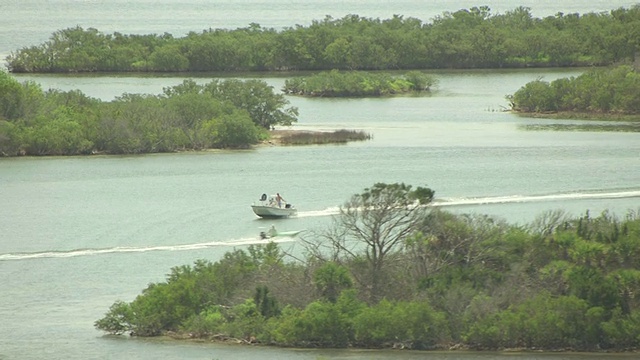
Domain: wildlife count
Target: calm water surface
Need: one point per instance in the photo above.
(78, 233)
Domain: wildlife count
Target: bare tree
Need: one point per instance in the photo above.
(371, 226)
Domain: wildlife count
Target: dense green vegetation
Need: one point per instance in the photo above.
(389, 273)
(335, 83)
(220, 114)
(602, 91)
(468, 38)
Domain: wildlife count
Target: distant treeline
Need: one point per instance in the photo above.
(473, 38)
(392, 274)
(189, 116)
(599, 91)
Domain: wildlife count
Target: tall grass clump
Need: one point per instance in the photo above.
(330, 137)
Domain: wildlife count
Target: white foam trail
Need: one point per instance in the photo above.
(125, 249)
(536, 198)
(325, 212)
(442, 202)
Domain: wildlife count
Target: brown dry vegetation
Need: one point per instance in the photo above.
(307, 137)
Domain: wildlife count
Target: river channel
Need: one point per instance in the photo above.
(78, 233)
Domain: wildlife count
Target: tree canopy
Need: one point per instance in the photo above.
(467, 38)
(606, 91)
(220, 114)
(358, 84)
(372, 226)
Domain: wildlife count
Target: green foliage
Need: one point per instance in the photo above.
(542, 322)
(8, 139)
(379, 324)
(187, 292)
(414, 325)
(20, 104)
(227, 114)
(265, 108)
(245, 321)
(380, 194)
(357, 84)
(11, 97)
(378, 221)
(621, 331)
(266, 304)
(613, 91)
(467, 38)
(330, 279)
(420, 81)
(118, 319)
(62, 135)
(321, 323)
(233, 131)
(168, 58)
(208, 322)
(536, 96)
(455, 250)
(266, 255)
(558, 283)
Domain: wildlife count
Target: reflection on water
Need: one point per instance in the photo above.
(628, 127)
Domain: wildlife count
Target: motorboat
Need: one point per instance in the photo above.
(272, 232)
(273, 206)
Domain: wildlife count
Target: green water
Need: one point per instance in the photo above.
(78, 233)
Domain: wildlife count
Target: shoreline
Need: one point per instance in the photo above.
(568, 115)
(458, 347)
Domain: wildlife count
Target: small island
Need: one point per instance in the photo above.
(598, 94)
(228, 114)
(410, 277)
(335, 83)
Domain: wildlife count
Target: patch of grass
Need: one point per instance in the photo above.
(321, 137)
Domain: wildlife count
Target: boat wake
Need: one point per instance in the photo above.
(535, 198)
(451, 202)
(440, 202)
(326, 212)
(126, 249)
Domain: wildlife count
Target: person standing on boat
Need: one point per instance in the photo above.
(279, 199)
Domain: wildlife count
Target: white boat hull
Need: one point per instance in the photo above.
(266, 211)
